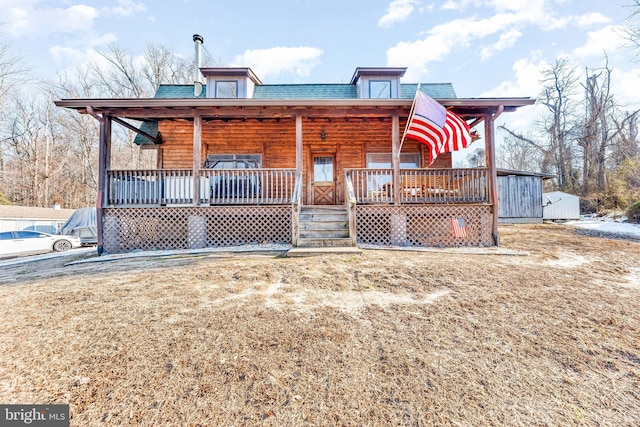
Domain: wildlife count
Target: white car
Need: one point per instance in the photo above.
(26, 242)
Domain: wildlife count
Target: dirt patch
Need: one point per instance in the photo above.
(382, 338)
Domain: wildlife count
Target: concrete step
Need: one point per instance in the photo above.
(313, 242)
(302, 252)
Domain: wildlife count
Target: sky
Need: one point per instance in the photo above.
(485, 48)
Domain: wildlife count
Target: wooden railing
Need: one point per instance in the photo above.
(373, 186)
(216, 187)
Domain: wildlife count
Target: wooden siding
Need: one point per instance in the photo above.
(349, 139)
(520, 197)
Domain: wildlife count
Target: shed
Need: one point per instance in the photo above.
(561, 206)
(32, 218)
(520, 196)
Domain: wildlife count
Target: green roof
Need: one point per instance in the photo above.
(148, 127)
(305, 91)
(178, 91)
(434, 90)
(313, 91)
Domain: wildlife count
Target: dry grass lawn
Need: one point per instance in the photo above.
(382, 338)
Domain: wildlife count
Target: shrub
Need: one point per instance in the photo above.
(633, 213)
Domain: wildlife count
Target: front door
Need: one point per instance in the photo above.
(323, 187)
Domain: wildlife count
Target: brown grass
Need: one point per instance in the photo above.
(384, 338)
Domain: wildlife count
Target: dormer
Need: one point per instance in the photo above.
(378, 82)
(230, 82)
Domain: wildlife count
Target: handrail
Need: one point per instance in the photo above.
(217, 186)
(351, 202)
(460, 185)
(296, 206)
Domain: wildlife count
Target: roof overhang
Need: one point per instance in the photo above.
(145, 109)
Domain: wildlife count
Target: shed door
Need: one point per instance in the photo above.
(323, 187)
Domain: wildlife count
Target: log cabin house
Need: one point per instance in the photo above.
(301, 164)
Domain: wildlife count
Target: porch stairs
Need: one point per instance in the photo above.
(323, 229)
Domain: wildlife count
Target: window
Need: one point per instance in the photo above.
(233, 161)
(226, 89)
(383, 160)
(7, 235)
(29, 234)
(323, 168)
(380, 89)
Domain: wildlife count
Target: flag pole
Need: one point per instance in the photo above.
(406, 126)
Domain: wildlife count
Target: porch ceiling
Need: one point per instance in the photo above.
(156, 109)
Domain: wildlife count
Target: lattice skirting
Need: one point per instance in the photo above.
(424, 225)
(129, 229)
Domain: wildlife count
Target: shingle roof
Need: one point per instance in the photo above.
(148, 127)
(305, 91)
(434, 90)
(313, 91)
(178, 91)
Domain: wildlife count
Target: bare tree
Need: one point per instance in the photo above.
(555, 130)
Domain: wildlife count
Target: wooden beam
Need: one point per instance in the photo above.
(490, 149)
(299, 146)
(135, 129)
(395, 158)
(197, 157)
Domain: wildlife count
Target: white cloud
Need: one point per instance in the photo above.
(442, 39)
(127, 8)
(271, 62)
(398, 11)
(625, 85)
(609, 39)
(30, 17)
(68, 56)
(592, 18)
(507, 40)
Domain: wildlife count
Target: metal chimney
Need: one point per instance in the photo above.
(197, 77)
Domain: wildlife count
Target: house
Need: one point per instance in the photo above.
(520, 197)
(48, 220)
(240, 161)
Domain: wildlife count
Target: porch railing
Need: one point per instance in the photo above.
(216, 187)
(375, 185)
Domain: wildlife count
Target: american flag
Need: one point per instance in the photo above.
(433, 125)
(458, 227)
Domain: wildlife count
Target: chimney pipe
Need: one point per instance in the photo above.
(197, 77)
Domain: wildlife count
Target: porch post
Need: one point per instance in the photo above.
(104, 159)
(395, 158)
(197, 149)
(490, 149)
(298, 145)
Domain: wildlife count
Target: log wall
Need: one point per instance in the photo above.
(349, 139)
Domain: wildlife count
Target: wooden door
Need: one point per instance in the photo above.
(323, 186)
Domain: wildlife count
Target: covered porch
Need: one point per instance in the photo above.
(200, 206)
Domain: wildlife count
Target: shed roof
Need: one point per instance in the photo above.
(30, 212)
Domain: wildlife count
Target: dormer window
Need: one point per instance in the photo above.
(378, 83)
(380, 89)
(226, 89)
(230, 83)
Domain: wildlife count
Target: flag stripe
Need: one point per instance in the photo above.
(458, 227)
(426, 125)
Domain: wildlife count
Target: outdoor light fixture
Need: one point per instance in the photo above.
(323, 135)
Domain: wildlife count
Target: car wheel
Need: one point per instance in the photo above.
(62, 245)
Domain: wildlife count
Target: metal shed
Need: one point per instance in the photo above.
(560, 206)
(520, 196)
